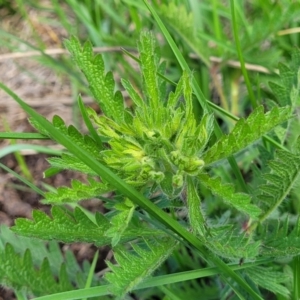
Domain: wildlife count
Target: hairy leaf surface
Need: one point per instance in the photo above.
(78, 191)
(135, 266)
(75, 227)
(285, 170)
(19, 272)
(50, 250)
(278, 241)
(230, 243)
(101, 84)
(269, 280)
(70, 162)
(245, 132)
(194, 206)
(240, 201)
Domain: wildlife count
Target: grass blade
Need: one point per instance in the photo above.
(149, 282)
(91, 272)
(240, 55)
(88, 123)
(24, 180)
(41, 149)
(23, 136)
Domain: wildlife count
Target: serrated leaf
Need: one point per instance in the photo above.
(19, 272)
(59, 123)
(187, 93)
(277, 241)
(78, 191)
(167, 185)
(75, 227)
(203, 131)
(269, 280)
(38, 127)
(239, 201)
(246, 132)
(175, 96)
(84, 141)
(70, 162)
(149, 60)
(135, 267)
(280, 92)
(231, 244)
(286, 81)
(119, 223)
(102, 85)
(284, 175)
(133, 94)
(286, 90)
(64, 226)
(196, 217)
(41, 250)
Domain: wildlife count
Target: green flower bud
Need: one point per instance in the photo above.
(194, 166)
(177, 180)
(157, 176)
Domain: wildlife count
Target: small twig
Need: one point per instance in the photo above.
(57, 51)
(288, 31)
(250, 67)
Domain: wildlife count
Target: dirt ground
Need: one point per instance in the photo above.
(49, 94)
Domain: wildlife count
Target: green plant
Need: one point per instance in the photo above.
(168, 154)
(176, 204)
